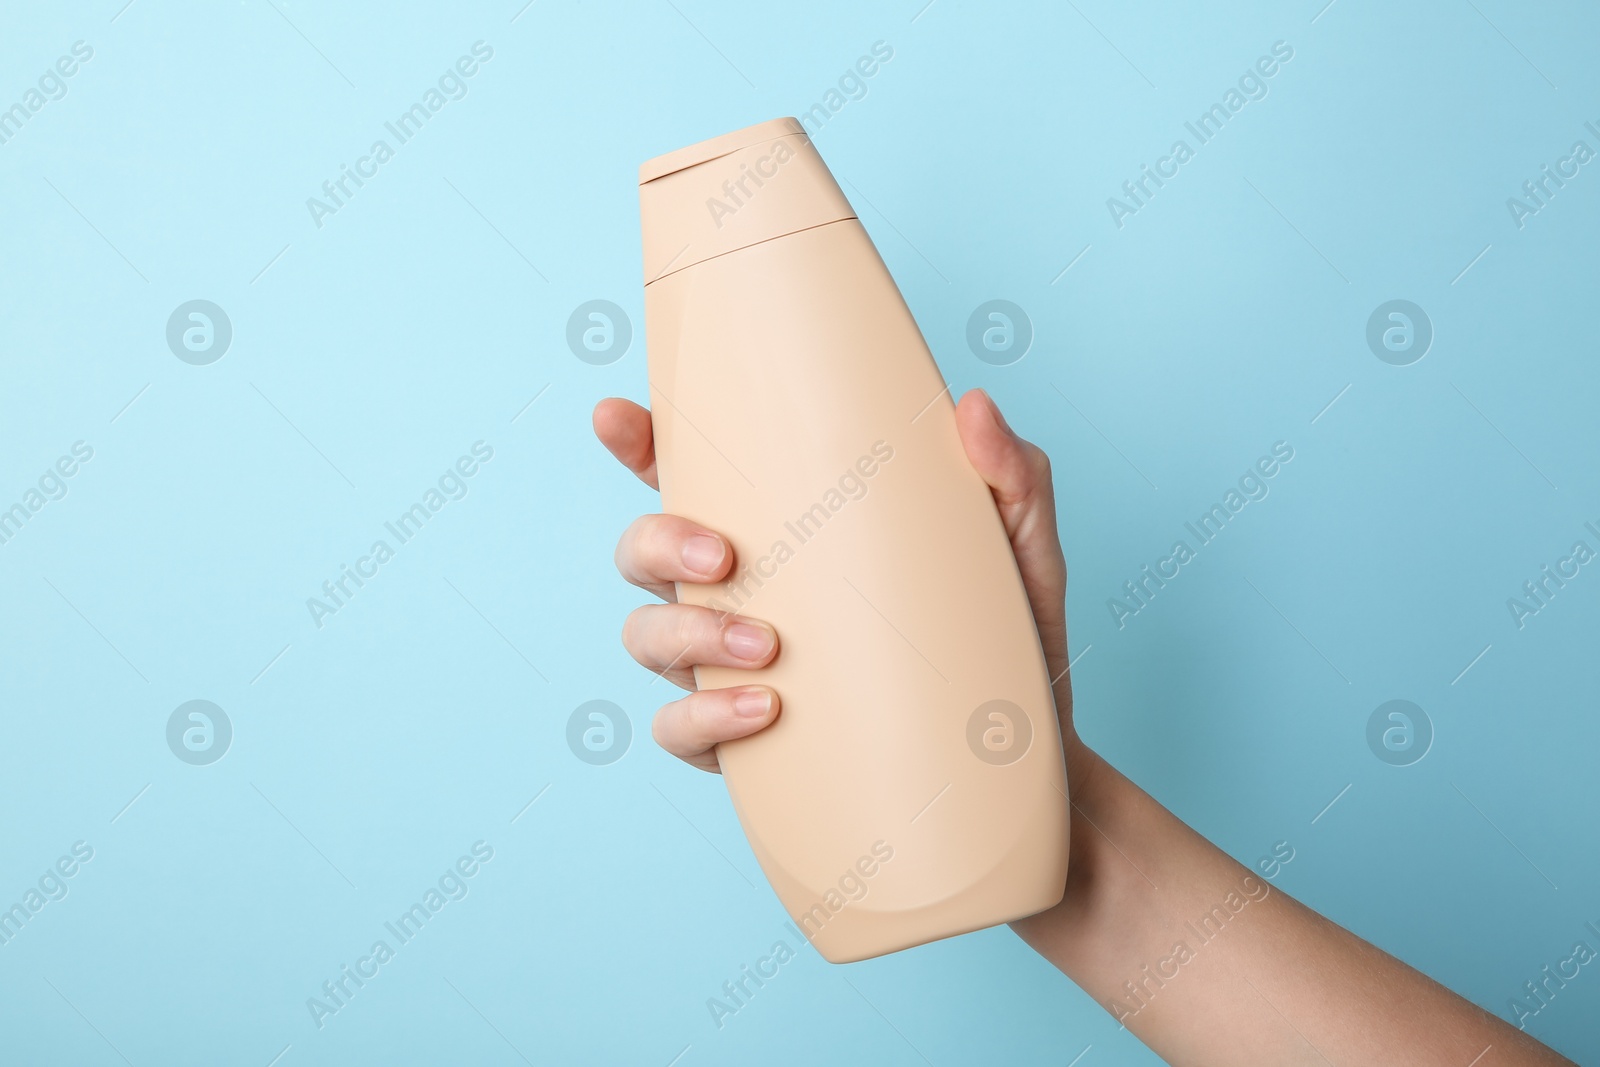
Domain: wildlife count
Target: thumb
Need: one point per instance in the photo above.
(1018, 474)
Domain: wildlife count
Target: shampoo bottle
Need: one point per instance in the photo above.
(913, 786)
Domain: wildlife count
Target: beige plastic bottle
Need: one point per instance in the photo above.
(913, 786)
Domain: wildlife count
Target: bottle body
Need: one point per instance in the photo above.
(913, 786)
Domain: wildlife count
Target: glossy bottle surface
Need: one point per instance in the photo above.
(913, 786)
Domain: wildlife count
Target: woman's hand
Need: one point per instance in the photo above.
(1138, 876)
(671, 638)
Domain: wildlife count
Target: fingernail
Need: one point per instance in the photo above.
(753, 703)
(747, 641)
(702, 553)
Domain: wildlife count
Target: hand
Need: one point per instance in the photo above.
(671, 638)
(1357, 1004)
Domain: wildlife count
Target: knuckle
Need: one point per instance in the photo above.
(694, 713)
(679, 726)
(634, 628)
(661, 728)
(661, 725)
(651, 540)
(626, 555)
(692, 628)
(1039, 465)
(647, 554)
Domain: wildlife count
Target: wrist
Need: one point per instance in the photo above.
(1083, 765)
(1095, 886)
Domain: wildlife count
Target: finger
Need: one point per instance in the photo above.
(1017, 471)
(692, 727)
(657, 550)
(1018, 474)
(624, 428)
(672, 639)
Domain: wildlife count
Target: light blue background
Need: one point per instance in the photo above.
(370, 353)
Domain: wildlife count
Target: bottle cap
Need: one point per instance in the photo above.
(732, 191)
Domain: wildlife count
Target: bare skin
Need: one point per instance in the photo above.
(1278, 985)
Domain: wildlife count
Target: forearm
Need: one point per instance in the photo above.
(1207, 962)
